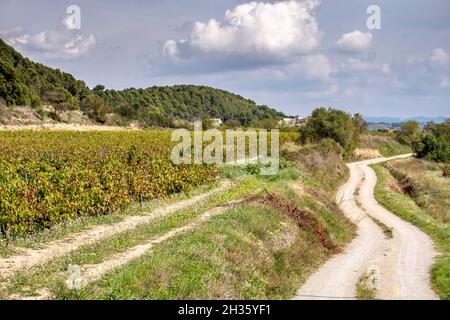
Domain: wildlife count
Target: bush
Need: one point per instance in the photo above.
(408, 133)
(432, 148)
(446, 171)
(54, 116)
(95, 108)
(332, 124)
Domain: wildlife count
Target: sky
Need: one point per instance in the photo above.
(291, 55)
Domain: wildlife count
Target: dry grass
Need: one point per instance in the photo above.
(423, 181)
(366, 153)
(425, 203)
(385, 144)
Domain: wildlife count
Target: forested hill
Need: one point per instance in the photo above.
(26, 83)
(23, 82)
(186, 102)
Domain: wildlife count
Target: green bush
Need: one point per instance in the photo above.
(332, 124)
(432, 148)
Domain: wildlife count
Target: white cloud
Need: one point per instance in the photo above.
(445, 83)
(355, 42)
(315, 67)
(170, 49)
(439, 59)
(57, 43)
(386, 69)
(328, 92)
(276, 31)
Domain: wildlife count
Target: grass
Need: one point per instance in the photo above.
(424, 214)
(366, 287)
(250, 252)
(233, 256)
(388, 233)
(384, 143)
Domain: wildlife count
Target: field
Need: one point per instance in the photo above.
(417, 191)
(259, 237)
(49, 177)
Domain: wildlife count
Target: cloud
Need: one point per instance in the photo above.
(273, 32)
(354, 42)
(439, 59)
(314, 67)
(57, 43)
(353, 66)
(328, 92)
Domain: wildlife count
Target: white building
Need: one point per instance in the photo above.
(215, 122)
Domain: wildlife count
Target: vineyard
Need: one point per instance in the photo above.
(49, 177)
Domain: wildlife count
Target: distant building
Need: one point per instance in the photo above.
(300, 121)
(215, 122)
(293, 121)
(287, 122)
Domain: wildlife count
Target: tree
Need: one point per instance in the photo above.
(333, 124)
(99, 88)
(360, 123)
(232, 124)
(408, 133)
(432, 148)
(95, 108)
(434, 143)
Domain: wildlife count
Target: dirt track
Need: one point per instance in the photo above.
(32, 257)
(401, 265)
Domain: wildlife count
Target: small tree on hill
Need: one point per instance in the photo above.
(408, 133)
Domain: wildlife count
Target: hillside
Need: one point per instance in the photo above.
(23, 82)
(185, 102)
(26, 83)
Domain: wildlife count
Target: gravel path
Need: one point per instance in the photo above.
(401, 264)
(32, 257)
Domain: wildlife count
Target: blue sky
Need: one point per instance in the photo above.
(292, 55)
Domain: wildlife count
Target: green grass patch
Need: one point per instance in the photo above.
(237, 255)
(366, 287)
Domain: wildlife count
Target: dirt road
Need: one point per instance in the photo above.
(32, 257)
(400, 266)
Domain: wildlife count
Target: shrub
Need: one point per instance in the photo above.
(432, 148)
(332, 124)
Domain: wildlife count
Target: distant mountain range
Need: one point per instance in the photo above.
(419, 119)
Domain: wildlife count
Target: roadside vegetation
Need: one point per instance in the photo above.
(367, 287)
(336, 125)
(417, 191)
(377, 144)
